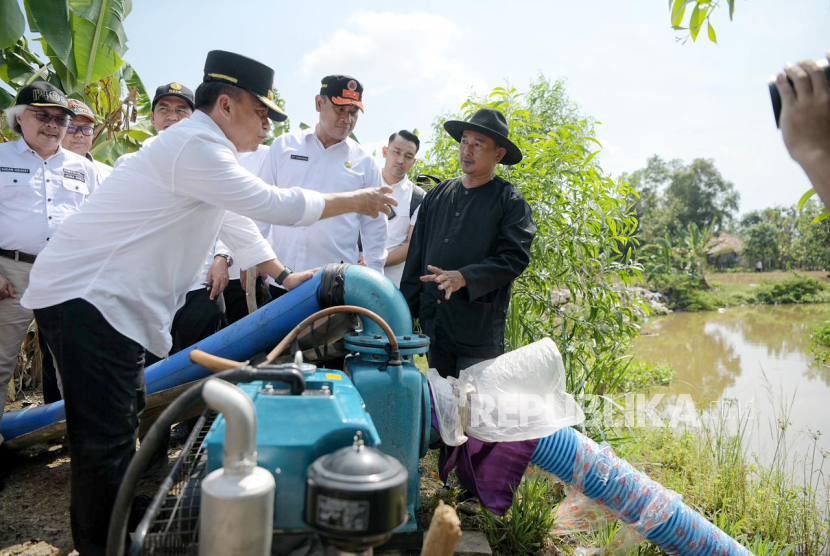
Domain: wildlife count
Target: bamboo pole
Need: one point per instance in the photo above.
(444, 532)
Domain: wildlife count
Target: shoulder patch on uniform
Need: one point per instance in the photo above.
(74, 175)
(299, 157)
(17, 170)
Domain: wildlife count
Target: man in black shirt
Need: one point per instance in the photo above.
(471, 240)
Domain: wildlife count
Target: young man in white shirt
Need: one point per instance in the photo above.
(109, 284)
(326, 160)
(41, 184)
(400, 157)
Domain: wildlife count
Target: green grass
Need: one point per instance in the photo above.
(687, 293)
(820, 338)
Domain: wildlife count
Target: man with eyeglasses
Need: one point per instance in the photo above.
(41, 184)
(108, 287)
(79, 136)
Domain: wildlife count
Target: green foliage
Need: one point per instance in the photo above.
(764, 507)
(11, 24)
(798, 289)
(701, 14)
(673, 195)
(761, 244)
(527, 523)
(84, 41)
(585, 230)
(685, 292)
(641, 376)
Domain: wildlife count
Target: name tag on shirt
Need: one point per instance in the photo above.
(74, 175)
(298, 157)
(17, 170)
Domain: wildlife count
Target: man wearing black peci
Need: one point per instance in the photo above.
(107, 286)
(471, 240)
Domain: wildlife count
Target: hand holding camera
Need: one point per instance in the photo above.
(804, 120)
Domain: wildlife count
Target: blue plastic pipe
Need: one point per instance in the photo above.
(253, 334)
(657, 514)
(371, 290)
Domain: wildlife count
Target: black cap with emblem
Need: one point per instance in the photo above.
(248, 74)
(174, 90)
(41, 93)
(342, 90)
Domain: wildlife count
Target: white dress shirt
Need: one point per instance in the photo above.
(37, 195)
(399, 225)
(300, 160)
(102, 171)
(139, 243)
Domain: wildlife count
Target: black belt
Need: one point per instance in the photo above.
(18, 256)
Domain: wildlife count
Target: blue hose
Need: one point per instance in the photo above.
(654, 511)
(255, 333)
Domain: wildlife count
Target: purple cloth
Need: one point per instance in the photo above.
(489, 470)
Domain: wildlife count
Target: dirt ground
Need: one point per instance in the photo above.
(34, 495)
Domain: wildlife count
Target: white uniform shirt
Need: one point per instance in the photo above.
(399, 225)
(37, 195)
(140, 241)
(102, 171)
(300, 160)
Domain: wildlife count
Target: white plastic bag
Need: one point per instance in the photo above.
(450, 407)
(519, 395)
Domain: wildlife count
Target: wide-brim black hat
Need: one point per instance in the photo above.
(493, 124)
(255, 77)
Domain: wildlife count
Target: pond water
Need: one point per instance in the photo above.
(757, 356)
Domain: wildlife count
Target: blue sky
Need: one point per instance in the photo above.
(620, 59)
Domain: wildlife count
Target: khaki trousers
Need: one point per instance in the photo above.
(14, 321)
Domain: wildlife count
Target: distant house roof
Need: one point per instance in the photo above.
(724, 243)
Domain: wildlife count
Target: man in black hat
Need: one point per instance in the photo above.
(173, 103)
(325, 159)
(41, 184)
(107, 287)
(471, 240)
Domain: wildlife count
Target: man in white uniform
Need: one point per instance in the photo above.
(326, 160)
(79, 136)
(400, 157)
(109, 284)
(40, 185)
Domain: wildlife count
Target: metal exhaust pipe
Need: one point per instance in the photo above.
(237, 508)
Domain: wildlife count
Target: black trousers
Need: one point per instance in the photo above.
(103, 385)
(449, 364)
(51, 392)
(236, 305)
(197, 319)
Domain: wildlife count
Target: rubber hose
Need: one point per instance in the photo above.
(657, 514)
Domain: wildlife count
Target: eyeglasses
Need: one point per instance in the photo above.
(45, 117)
(84, 129)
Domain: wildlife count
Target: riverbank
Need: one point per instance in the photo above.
(732, 289)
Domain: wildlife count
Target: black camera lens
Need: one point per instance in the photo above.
(776, 97)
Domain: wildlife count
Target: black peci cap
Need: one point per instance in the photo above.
(174, 90)
(41, 93)
(248, 74)
(342, 90)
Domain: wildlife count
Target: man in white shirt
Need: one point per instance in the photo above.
(78, 137)
(109, 284)
(40, 185)
(326, 160)
(400, 157)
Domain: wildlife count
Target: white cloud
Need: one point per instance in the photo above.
(408, 54)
